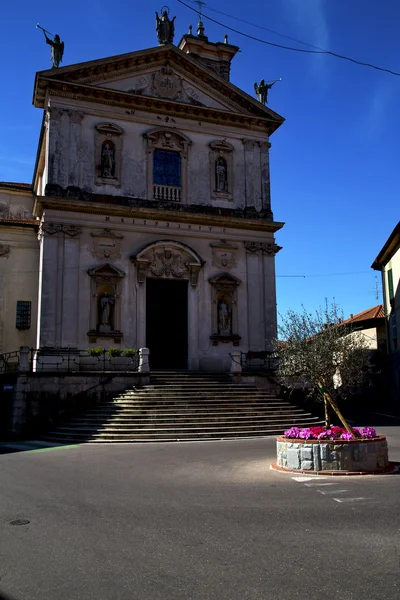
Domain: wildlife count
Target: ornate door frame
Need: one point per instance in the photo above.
(169, 259)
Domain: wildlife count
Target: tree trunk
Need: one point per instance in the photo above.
(329, 401)
(327, 415)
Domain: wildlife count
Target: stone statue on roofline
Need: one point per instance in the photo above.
(165, 27)
(57, 46)
(261, 90)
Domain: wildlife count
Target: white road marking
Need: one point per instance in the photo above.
(326, 492)
(308, 478)
(350, 499)
(318, 484)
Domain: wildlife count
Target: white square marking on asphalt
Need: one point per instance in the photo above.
(350, 499)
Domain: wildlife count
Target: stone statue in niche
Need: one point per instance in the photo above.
(105, 312)
(108, 159)
(221, 175)
(224, 317)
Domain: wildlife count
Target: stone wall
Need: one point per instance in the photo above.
(40, 400)
(363, 455)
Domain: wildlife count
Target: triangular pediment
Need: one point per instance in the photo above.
(106, 270)
(164, 73)
(166, 83)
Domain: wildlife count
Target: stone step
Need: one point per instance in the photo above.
(190, 415)
(122, 422)
(169, 427)
(196, 392)
(162, 436)
(184, 406)
(136, 405)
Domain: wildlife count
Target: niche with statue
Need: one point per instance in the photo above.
(224, 309)
(105, 303)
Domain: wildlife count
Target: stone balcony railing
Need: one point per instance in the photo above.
(167, 193)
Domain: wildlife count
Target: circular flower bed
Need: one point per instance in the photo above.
(334, 450)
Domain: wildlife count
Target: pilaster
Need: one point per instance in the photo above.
(75, 119)
(53, 121)
(58, 285)
(265, 176)
(252, 158)
(260, 259)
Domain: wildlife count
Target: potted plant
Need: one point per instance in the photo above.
(122, 359)
(97, 351)
(323, 356)
(93, 361)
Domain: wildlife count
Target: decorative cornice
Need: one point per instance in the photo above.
(54, 114)
(117, 206)
(76, 116)
(264, 146)
(56, 228)
(72, 230)
(249, 144)
(149, 104)
(266, 249)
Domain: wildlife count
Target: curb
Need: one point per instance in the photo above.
(391, 468)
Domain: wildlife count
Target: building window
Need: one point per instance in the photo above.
(167, 165)
(390, 285)
(166, 168)
(23, 317)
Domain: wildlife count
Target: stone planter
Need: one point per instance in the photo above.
(361, 456)
(91, 363)
(122, 363)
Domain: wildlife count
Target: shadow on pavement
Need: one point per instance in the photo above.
(11, 447)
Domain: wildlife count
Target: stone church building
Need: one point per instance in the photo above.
(148, 222)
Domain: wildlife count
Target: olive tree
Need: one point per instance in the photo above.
(319, 352)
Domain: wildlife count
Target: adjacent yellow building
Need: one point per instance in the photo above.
(388, 262)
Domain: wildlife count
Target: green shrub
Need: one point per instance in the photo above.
(130, 352)
(98, 351)
(114, 351)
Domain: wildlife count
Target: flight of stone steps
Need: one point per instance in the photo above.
(184, 406)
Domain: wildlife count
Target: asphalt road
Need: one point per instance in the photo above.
(193, 521)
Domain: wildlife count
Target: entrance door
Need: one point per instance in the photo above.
(167, 323)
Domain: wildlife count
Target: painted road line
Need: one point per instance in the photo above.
(319, 484)
(350, 499)
(308, 478)
(326, 492)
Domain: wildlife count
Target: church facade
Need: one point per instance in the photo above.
(149, 221)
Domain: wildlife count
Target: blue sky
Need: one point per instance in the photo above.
(335, 162)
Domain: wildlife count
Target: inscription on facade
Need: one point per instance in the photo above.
(224, 254)
(106, 244)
